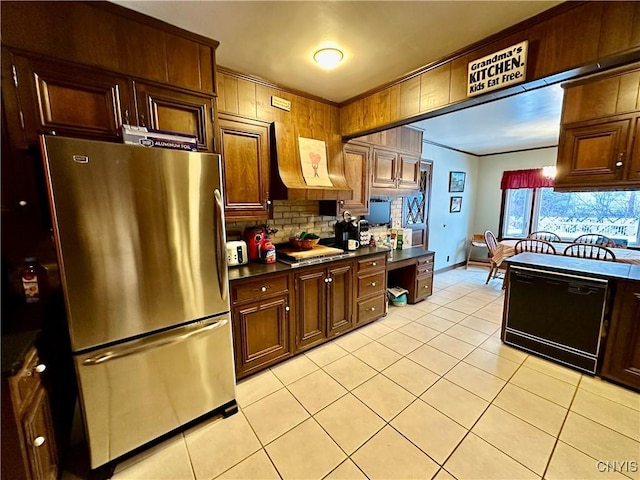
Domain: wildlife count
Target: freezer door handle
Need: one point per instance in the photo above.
(221, 250)
(147, 345)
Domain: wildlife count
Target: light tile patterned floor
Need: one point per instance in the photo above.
(427, 392)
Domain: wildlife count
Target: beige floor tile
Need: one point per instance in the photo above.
(256, 387)
(316, 391)
(598, 441)
(493, 364)
(449, 314)
(419, 332)
(272, 416)
(433, 359)
(461, 288)
(520, 440)
(305, 452)
(476, 459)
(452, 346)
(389, 455)
(541, 384)
(352, 341)
(216, 446)
(531, 408)
(466, 305)
(610, 414)
(467, 334)
(613, 392)
(406, 311)
(399, 342)
(553, 370)
(383, 396)
(479, 325)
(477, 381)
(426, 306)
(439, 300)
(455, 402)
(325, 354)
(419, 422)
(350, 371)
(347, 470)
(449, 293)
(434, 322)
(443, 475)
(256, 467)
(495, 346)
(291, 370)
(490, 313)
(166, 461)
(567, 463)
(411, 376)
(377, 356)
(375, 330)
(394, 321)
(349, 422)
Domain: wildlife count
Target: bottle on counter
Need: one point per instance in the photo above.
(30, 283)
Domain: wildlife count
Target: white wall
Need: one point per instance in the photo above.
(490, 169)
(448, 232)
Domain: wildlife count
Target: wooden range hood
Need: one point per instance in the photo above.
(287, 181)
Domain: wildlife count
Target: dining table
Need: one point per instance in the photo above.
(506, 248)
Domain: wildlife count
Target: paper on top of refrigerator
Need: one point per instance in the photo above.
(148, 137)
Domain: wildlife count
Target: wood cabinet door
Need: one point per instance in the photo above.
(164, 108)
(339, 299)
(384, 167)
(311, 311)
(244, 145)
(70, 101)
(592, 154)
(261, 334)
(633, 167)
(622, 355)
(357, 172)
(408, 174)
(39, 438)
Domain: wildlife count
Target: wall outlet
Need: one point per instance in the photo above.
(447, 258)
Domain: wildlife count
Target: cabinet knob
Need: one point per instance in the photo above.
(330, 279)
(263, 289)
(142, 121)
(287, 308)
(425, 286)
(373, 309)
(326, 280)
(618, 164)
(38, 441)
(373, 284)
(40, 368)
(22, 203)
(373, 264)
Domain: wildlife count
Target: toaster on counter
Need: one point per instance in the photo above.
(237, 253)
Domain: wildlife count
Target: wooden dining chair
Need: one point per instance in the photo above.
(595, 239)
(587, 250)
(495, 256)
(544, 235)
(476, 241)
(535, 246)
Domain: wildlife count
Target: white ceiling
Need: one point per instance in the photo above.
(382, 41)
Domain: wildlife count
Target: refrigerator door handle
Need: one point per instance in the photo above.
(221, 251)
(148, 345)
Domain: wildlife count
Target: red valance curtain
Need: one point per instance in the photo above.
(532, 178)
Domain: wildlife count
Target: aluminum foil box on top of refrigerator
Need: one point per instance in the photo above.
(148, 137)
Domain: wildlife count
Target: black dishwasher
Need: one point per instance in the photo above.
(558, 316)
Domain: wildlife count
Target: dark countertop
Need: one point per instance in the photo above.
(14, 348)
(593, 268)
(254, 269)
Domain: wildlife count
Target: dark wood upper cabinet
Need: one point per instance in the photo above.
(165, 108)
(245, 149)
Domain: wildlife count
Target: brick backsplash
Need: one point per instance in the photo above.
(294, 216)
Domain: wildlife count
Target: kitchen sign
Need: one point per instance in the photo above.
(498, 70)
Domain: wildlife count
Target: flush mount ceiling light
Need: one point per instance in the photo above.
(328, 57)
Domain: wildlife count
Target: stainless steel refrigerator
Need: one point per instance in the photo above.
(141, 247)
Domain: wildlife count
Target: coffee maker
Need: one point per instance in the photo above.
(346, 229)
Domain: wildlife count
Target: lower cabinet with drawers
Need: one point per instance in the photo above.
(371, 300)
(26, 415)
(260, 311)
(415, 275)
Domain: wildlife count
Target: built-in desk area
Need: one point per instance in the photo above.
(411, 269)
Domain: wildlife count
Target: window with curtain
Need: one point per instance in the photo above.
(530, 204)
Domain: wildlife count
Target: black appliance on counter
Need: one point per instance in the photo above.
(346, 229)
(565, 321)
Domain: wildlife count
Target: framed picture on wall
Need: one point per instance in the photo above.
(456, 181)
(455, 205)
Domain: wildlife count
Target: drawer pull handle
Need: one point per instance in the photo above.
(426, 286)
(373, 284)
(263, 289)
(40, 368)
(373, 264)
(38, 441)
(373, 309)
